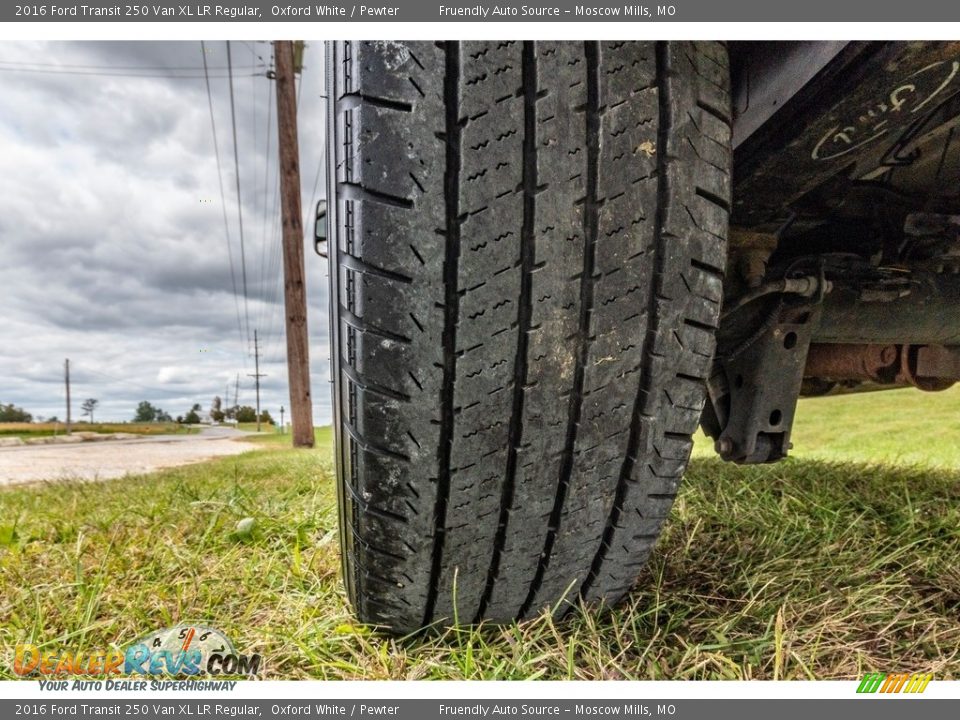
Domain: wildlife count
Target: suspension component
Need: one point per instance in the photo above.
(927, 367)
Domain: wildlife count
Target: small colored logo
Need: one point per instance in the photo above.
(183, 650)
(894, 683)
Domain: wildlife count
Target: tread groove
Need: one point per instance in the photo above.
(357, 379)
(713, 198)
(351, 101)
(451, 311)
(355, 192)
(590, 230)
(370, 446)
(524, 312)
(656, 287)
(352, 262)
(362, 325)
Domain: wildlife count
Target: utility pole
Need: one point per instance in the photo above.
(66, 367)
(281, 420)
(295, 296)
(236, 392)
(257, 374)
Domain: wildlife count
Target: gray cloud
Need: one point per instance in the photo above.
(112, 247)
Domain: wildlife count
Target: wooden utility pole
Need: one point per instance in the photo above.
(256, 375)
(281, 419)
(66, 368)
(295, 296)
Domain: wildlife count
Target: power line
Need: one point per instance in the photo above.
(266, 219)
(253, 122)
(236, 161)
(316, 184)
(273, 275)
(196, 68)
(223, 201)
(167, 76)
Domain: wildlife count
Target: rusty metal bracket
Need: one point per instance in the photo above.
(938, 361)
(763, 384)
(927, 367)
(839, 362)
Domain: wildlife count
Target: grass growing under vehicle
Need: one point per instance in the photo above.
(824, 566)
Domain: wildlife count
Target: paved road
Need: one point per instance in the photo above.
(116, 458)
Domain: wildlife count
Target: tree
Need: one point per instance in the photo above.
(88, 406)
(265, 418)
(12, 413)
(216, 409)
(192, 418)
(163, 416)
(246, 414)
(146, 412)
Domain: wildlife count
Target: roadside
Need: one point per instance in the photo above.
(130, 455)
(38, 430)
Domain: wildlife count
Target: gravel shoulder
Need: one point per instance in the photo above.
(114, 459)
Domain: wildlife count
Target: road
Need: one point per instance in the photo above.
(112, 459)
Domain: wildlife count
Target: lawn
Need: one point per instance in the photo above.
(902, 427)
(840, 560)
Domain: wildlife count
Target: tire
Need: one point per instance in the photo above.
(527, 248)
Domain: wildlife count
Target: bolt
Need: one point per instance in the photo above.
(888, 354)
(723, 446)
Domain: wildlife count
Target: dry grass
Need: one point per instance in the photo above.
(58, 428)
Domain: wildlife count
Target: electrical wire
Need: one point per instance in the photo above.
(223, 202)
(236, 161)
(266, 219)
(273, 271)
(101, 73)
(197, 68)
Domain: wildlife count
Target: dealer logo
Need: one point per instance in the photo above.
(188, 649)
(894, 683)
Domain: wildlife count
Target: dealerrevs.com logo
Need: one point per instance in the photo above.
(894, 683)
(182, 650)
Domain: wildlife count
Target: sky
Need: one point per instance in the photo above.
(113, 251)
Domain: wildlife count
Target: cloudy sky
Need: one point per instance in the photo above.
(113, 251)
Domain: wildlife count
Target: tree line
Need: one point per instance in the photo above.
(148, 412)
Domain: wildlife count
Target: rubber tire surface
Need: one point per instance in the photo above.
(527, 248)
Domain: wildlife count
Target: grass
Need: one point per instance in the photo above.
(28, 430)
(252, 427)
(902, 427)
(825, 566)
